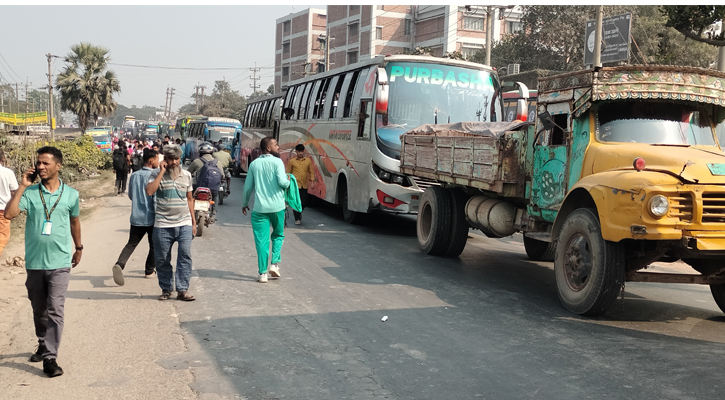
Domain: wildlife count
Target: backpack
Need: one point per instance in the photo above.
(210, 175)
(119, 160)
(136, 161)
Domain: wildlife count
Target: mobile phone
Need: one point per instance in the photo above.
(34, 176)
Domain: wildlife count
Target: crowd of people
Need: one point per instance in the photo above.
(162, 209)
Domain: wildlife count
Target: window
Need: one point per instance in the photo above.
(473, 23)
(288, 102)
(366, 110)
(469, 49)
(352, 57)
(381, 8)
(285, 72)
(285, 50)
(353, 28)
(320, 103)
(408, 23)
(514, 27)
(286, 26)
(301, 114)
(379, 32)
(336, 96)
(349, 95)
(311, 100)
(354, 8)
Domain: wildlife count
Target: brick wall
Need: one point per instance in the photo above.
(385, 50)
(468, 33)
(364, 43)
(353, 38)
(339, 33)
(339, 58)
(277, 84)
(352, 12)
(299, 46)
(397, 9)
(366, 16)
(319, 22)
(336, 13)
(430, 29)
(278, 38)
(315, 45)
(277, 59)
(393, 29)
(300, 24)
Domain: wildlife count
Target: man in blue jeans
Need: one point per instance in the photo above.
(174, 223)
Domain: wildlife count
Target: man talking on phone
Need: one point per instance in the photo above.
(52, 208)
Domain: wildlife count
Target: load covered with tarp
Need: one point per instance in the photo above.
(488, 129)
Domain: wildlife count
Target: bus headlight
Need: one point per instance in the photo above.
(399, 179)
(384, 175)
(659, 206)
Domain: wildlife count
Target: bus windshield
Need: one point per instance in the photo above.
(654, 122)
(101, 138)
(422, 93)
(218, 130)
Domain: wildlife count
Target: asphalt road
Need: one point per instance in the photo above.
(485, 325)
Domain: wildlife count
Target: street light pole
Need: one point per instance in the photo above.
(598, 38)
(50, 98)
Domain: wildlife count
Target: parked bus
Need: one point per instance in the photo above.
(102, 138)
(261, 119)
(209, 129)
(180, 129)
(129, 125)
(350, 121)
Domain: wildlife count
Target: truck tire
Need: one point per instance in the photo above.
(589, 270)
(434, 221)
(459, 226)
(538, 250)
(718, 293)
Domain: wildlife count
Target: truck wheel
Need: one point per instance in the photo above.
(538, 250)
(718, 293)
(459, 226)
(589, 270)
(200, 226)
(434, 221)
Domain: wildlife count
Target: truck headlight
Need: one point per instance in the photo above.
(659, 206)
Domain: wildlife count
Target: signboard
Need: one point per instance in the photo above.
(615, 39)
(24, 119)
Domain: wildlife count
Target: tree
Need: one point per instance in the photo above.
(697, 22)
(270, 89)
(86, 85)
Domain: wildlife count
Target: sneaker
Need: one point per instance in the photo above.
(38, 355)
(263, 278)
(118, 275)
(298, 222)
(274, 271)
(51, 368)
(150, 276)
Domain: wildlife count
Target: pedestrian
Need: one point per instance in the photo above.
(8, 186)
(52, 225)
(267, 177)
(301, 168)
(142, 218)
(120, 166)
(137, 161)
(174, 222)
(224, 160)
(156, 147)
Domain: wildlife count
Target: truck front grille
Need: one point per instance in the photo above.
(681, 207)
(713, 208)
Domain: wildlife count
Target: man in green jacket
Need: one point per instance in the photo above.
(267, 177)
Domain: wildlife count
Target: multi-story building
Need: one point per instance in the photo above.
(355, 32)
(297, 50)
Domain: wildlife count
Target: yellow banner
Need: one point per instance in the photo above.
(24, 119)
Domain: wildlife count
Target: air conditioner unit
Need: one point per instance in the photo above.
(513, 69)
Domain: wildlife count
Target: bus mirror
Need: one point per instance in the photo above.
(381, 100)
(522, 110)
(235, 142)
(382, 77)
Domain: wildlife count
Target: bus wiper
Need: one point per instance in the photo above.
(435, 116)
(671, 144)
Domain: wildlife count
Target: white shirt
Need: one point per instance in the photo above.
(8, 182)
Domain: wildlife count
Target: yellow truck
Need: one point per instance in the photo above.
(621, 168)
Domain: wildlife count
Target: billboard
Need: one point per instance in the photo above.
(25, 119)
(615, 39)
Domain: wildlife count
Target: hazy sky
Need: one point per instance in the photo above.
(173, 36)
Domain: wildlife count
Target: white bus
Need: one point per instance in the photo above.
(261, 119)
(208, 129)
(350, 121)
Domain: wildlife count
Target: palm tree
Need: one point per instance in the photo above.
(86, 85)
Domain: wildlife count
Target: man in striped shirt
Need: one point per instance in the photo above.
(174, 223)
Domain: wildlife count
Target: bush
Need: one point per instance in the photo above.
(81, 157)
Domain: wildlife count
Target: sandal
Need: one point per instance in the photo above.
(185, 296)
(165, 296)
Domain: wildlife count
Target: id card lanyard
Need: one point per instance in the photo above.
(47, 224)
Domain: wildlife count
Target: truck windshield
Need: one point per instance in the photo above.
(654, 122)
(422, 93)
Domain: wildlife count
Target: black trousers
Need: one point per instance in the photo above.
(134, 238)
(121, 179)
(303, 202)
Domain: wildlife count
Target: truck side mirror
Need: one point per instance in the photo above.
(546, 120)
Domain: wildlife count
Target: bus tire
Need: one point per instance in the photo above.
(459, 226)
(589, 270)
(351, 217)
(538, 250)
(718, 293)
(433, 224)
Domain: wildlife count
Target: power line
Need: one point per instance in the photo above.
(182, 68)
(11, 68)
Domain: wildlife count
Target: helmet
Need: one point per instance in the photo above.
(206, 148)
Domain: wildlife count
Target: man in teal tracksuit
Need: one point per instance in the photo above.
(267, 177)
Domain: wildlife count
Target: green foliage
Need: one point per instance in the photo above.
(697, 22)
(81, 157)
(86, 85)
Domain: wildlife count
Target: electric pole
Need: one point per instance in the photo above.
(196, 96)
(25, 138)
(254, 78)
(489, 34)
(224, 84)
(17, 98)
(50, 98)
(171, 97)
(166, 103)
(597, 63)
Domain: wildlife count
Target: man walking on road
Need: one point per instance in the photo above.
(266, 176)
(8, 186)
(301, 168)
(142, 217)
(174, 222)
(52, 220)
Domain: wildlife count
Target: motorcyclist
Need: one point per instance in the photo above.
(224, 162)
(205, 154)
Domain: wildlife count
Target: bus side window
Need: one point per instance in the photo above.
(296, 101)
(303, 101)
(288, 111)
(320, 103)
(347, 81)
(350, 94)
(264, 107)
(366, 109)
(311, 100)
(327, 111)
(273, 111)
(342, 81)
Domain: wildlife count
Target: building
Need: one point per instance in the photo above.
(356, 32)
(297, 50)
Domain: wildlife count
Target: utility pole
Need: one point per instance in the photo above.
(254, 78)
(721, 59)
(25, 139)
(17, 98)
(597, 63)
(224, 81)
(50, 98)
(166, 103)
(171, 97)
(202, 95)
(489, 34)
(196, 96)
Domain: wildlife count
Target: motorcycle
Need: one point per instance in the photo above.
(223, 191)
(202, 209)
